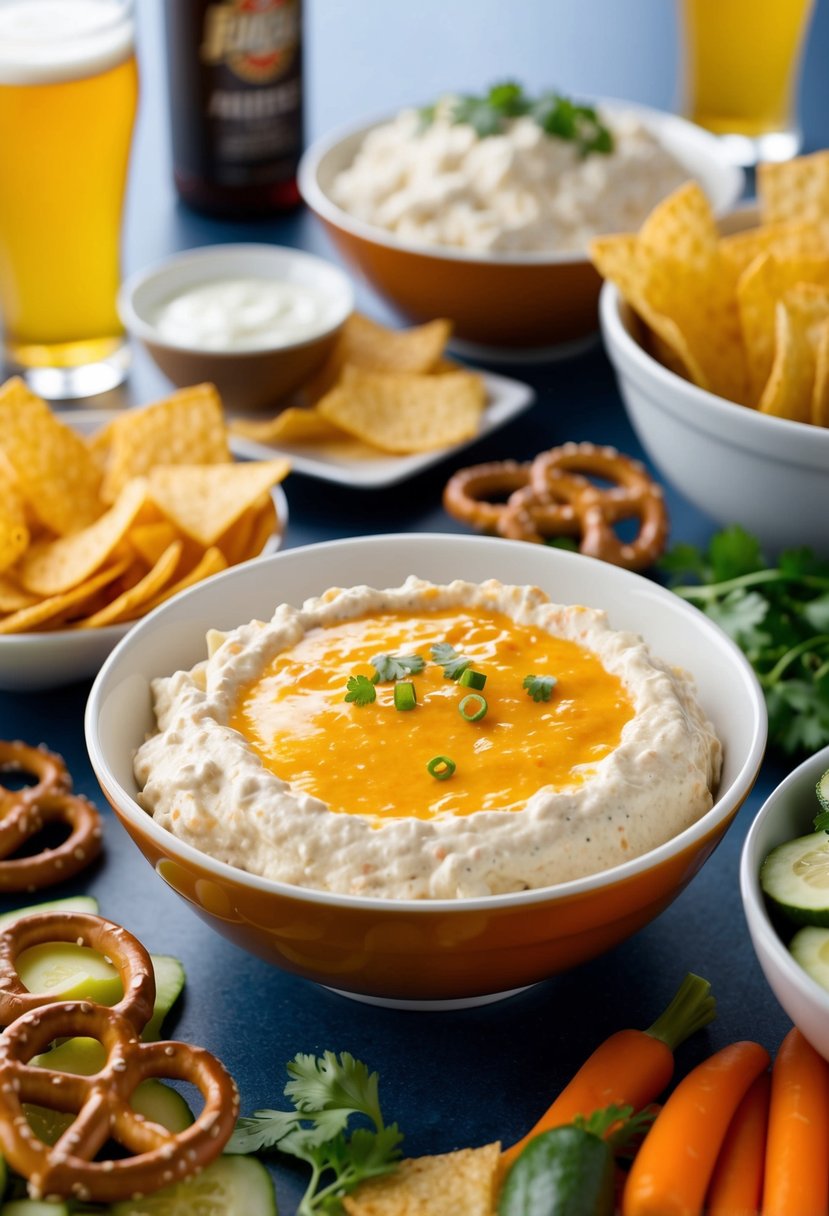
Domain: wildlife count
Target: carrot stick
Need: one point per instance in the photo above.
(671, 1172)
(737, 1182)
(797, 1155)
(631, 1068)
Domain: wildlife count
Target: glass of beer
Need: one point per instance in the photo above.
(742, 64)
(68, 94)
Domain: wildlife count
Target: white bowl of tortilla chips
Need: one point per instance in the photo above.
(105, 516)
(721, 348)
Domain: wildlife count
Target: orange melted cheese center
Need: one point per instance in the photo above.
(371, 760)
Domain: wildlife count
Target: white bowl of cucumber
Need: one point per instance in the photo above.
(784, 882)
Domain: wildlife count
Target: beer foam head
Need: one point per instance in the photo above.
(49, 41)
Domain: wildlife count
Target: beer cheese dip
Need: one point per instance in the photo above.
(515, 192)
(260, 761)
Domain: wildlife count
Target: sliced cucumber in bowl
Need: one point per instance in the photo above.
(230, 1186)
(810, 949)
(795, 879)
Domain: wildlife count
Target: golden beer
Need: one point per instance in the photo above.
(68, 92)
(742, 59)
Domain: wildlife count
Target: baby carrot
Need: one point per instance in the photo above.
(737, 1182)
(671, 1172)
(797, 1161)
(631, 1068)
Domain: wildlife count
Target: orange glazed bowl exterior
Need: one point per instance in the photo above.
(513, 302)
(417, 951)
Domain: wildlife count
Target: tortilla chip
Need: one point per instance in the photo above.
(365, 344)
(150, 540)
(783, 241)
(463, 1183)
(759, 288)
(795, 189)
(212, 562)
(49, 567)
(266, 525)
(203, 501)
(820, 391)
(788, 393)
(14, 534)
(401, 413)
(56, 475)
(186, 428)
(131, 602)
(53, 609)
(13, 597)
(291, 426)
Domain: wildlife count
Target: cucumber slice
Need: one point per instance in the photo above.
(230, 1186)
(169, 984)
(33, 1207)
(795, 877)
(74, 903)
(810, 948)
(68, 972)
(822, 790)
(81, 1056)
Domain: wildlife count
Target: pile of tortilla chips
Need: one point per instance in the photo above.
(381, 389)
(97, 532)
(744, 316)
(463, 1183)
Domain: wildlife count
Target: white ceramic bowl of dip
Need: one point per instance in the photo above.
(787, 813)
(734, 463)
(416, 951)
(254, 365)
(516, 305)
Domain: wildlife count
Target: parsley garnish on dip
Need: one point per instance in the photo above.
(272, 755)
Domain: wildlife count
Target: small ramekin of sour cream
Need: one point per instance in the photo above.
(256, 320)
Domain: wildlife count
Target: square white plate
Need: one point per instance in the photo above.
(506, 398)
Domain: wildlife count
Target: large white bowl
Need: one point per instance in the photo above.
(429, 949)
(736, 464)
(787, 813)
(543, 299)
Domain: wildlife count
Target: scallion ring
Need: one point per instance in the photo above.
(472, 679)
(473, 707)
(441, 767)
(404, 695)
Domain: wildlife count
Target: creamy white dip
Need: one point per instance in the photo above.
(203, 781)
(243, 314)
(519, 191)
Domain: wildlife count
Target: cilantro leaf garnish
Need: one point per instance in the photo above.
(777, 614)
(396, 666)
(540, 688)
(558, 116)
(326, 1092)
(447, 657)
(360, 690)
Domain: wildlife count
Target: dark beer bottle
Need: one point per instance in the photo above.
(235, 81)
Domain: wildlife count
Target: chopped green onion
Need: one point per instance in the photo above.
(472, 679)
(404, 695)
(441, 767)
(473, 707)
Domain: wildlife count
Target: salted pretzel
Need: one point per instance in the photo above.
(473, 495)
(100, 1101)
(530, 515)
(25, 811)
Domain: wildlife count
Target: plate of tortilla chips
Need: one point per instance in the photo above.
(105, 515)
(386, 405)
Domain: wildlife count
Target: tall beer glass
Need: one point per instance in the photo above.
(68, 92)
(742, 61)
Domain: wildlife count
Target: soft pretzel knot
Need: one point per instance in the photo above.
(25, 811)
(101, 1102)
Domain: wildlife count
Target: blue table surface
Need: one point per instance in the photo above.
(449, 1079)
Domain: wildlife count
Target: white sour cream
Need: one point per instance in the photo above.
(244, 314)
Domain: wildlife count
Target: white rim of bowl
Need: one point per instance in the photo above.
(321, 203)
(721, 810)
(138, 327)
(754, 906)
(621, 344)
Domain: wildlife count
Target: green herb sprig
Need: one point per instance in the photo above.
(447, 657)
(777, 614)
(558, 116)
(360, 690)
(396, 666)
(326, 1092)
(540, 688)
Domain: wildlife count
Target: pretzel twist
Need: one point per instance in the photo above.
(471, 494)
(46, 766)
(101, 1102)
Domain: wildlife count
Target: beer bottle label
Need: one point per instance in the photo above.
(244, 82)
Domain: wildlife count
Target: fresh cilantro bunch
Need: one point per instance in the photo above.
(326, 1092)
(558, 116)
(778, 615)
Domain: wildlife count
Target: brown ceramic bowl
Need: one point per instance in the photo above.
(423, 951)
(518, 302)
(251, 379)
